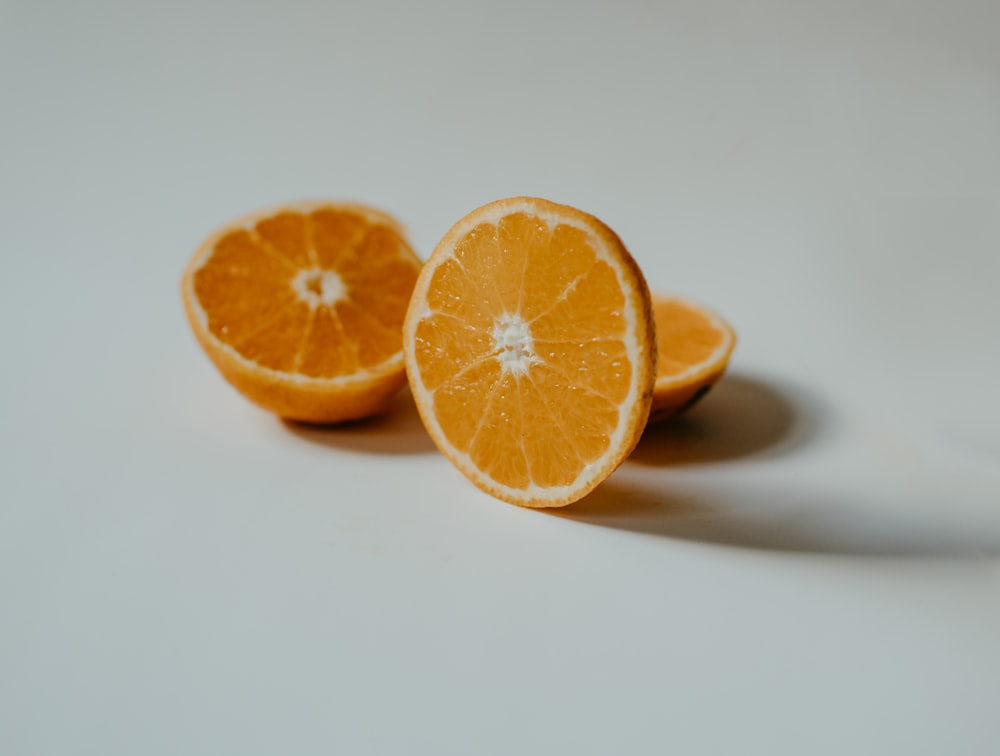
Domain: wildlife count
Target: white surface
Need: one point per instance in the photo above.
(810, 565)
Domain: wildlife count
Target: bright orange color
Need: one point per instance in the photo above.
(530, 350)
(693, 345)
(301, 308)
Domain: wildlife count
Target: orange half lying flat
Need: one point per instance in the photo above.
(301, 308)
(530, 350)
(693, 345)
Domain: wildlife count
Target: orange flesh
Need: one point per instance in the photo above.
(552, 414)
(247, 288)
(684, 337)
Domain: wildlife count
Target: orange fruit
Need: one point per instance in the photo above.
(693, 345)
(301, 308)
(530, 350)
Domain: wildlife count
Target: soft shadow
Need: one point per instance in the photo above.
(398, 430)
(631, 506)
(768, 523)
(741, 416)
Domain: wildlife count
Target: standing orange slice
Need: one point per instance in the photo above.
(530, 350)
(301, 308)
(694, 345)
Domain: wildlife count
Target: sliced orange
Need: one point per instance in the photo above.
(693, 345)
(301, 308)
(530, 350)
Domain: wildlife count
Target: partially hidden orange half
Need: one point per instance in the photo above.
(693, 345)
(530, 350)
(301, 308)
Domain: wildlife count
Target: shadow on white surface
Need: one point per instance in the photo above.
(741, 416)
(398, 430)
(749, 419)
(773, 521)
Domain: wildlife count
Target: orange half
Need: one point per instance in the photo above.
(301, 308)
(530, 350)
(693, 349)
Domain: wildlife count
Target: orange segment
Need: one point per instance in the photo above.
(286, 234)
(375, 342)
(301, 308)
(241, 263)
(530, 350)
(445, 347)
(326, 350)
(693, 349)
(563, 266)
(589, 307)
(277, 344)
(600, 365)
(463, 398)
(336, 236)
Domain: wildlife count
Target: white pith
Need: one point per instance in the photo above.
(512, 339)
(512, 332)
(317, 287)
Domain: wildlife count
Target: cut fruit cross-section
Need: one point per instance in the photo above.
(694, 345)
(301, 308)
(530, 350)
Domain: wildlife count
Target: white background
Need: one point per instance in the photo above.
(810, 563)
